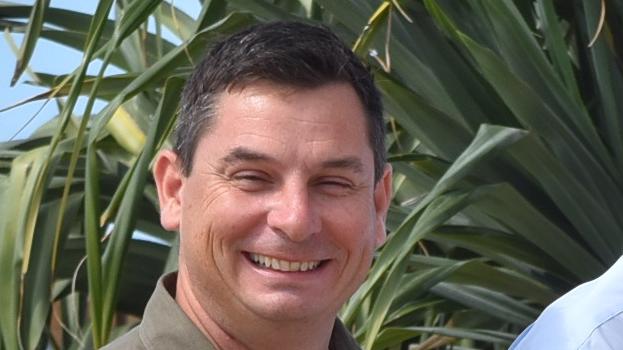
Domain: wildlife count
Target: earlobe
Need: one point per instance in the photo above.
(169, 181)
(382, 199)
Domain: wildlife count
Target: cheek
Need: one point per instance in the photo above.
(360, 239)
(221, 219)
(202, 200)
(200, 196)
(359, 249)
(353, 230)
(357, 217)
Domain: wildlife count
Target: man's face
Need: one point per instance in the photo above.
(280, 216)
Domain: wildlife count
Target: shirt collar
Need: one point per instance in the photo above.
(165, 325)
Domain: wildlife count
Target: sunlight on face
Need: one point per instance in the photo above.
(280, 216)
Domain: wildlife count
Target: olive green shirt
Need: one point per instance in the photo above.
(166, 326)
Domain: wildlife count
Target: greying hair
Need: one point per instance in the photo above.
(289, 53)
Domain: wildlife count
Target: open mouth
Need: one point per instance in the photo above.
(272, 263)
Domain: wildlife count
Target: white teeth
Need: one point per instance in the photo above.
(283, 265)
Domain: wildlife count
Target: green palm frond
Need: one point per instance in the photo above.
(504, 131)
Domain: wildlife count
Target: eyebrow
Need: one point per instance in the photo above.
(352, 163)
(240, 154)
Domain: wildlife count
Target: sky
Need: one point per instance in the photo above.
(54, 59)
(49, 58)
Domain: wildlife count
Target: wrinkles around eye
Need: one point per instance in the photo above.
(251, 180)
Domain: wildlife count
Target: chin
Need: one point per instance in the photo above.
(283, 306)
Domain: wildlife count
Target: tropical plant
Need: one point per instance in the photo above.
(504, 132)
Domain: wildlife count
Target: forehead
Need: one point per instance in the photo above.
(291, 120)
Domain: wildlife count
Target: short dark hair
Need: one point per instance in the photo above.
(289, 53)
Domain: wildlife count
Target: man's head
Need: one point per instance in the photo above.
(278, 183)
(286, 53)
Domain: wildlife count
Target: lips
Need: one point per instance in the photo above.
(273, 263)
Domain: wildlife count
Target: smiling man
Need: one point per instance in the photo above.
(279, 188)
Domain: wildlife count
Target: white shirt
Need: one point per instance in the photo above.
(589, 317)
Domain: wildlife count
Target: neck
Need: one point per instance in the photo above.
(241, 330)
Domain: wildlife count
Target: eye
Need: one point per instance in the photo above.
(249, 176)
(251, 180)
(335, 185)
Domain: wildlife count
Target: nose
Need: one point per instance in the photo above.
(292, 213)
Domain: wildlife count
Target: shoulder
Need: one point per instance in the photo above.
(607, 336)
(129, 341)
(588, 314)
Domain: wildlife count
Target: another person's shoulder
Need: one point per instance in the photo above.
(588, 317)
(609, 335)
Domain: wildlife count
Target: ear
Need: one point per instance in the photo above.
(169, 182)
(382, 198)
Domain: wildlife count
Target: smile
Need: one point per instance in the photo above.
(283, 265)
